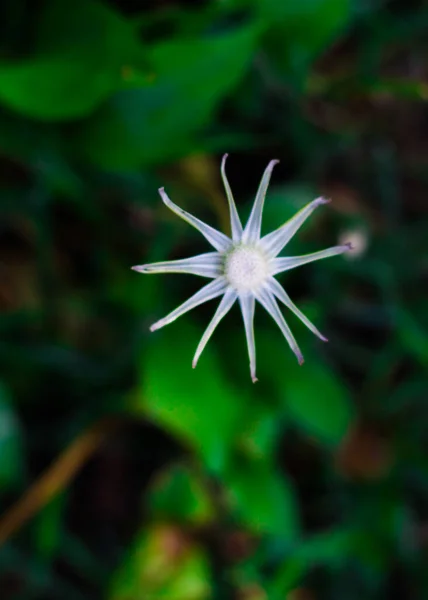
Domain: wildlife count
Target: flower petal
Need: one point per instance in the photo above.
(277, 289)
(217, 239)
(253, 227)
(235, 222)
(291, 262)
(267, 300)
(211, 290)
(205, 265)
(223, 308)
(274, 242)
(247, 308)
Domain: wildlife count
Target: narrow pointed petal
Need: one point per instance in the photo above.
(283, 297)
(267, 300)
(253, 227)
(235, 222)
(205, 265)
(291, 262)
(223, 308)
(217, 239)
(247, 304)
(208, 292)
(274, 242)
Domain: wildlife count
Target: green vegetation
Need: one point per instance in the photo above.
(124, 473)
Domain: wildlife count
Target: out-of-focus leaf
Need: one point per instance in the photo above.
(86, 562)
(299, 31)
(318, 402)
(48, 527)
(85, 24)
(159, 121)
(408, 394)
(59, 176)
(55, 88)
(315, 398)
(164, 563)
(11, 463)
(197, 405)
(25, 138)
(180, 494)
(263, 499)
(331, 548)
(259, 433)
(412, 335)
(82, 52)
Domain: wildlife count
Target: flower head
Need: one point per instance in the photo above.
(243, 268)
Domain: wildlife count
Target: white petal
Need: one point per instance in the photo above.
(223, 308)
(290, 262)
(208, 292)
(267, 300)
(282, 295)
(253, 227)
(217, 239)
(274, 242)
(247, 308)
(205, 265)
(235, 222)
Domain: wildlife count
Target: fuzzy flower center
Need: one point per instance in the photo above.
(246, 268)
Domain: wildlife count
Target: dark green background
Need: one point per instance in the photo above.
(311, 484)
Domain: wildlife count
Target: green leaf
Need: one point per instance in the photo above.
(412, 335)
(259, 433)
(11, 458)
(180, 494)
(298, 32)
(157, 122)
(196, 405)
(27, 139)
(82, 25)
(263, 499)
(52, 88)
(313, 395)
(318, 402)
(331, 548)
(48, 527)
(83, 52)
(164, 564)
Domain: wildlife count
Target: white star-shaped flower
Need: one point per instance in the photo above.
(243, 268)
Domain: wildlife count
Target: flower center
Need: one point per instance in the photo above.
(246, 268)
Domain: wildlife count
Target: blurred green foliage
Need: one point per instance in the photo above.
(196, 484)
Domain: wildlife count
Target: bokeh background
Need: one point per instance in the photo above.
(125, 474)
